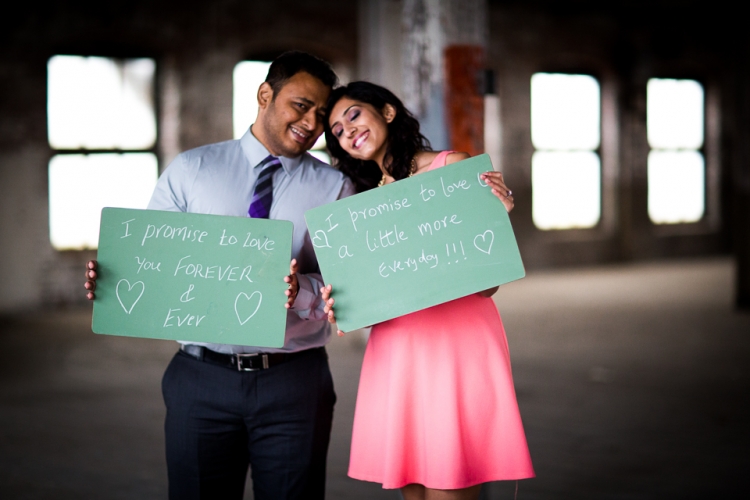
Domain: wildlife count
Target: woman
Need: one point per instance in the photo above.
(436, 410)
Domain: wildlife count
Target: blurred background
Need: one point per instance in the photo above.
(621, 126)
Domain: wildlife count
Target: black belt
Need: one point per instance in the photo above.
(240, 362)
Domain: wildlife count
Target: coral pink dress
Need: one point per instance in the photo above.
(436, 404)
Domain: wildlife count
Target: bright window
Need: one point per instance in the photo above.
(565, 167)
(570, 181)
(247, 77)
(676, 167)
(102, 126)
(81, 185)
(101, 103)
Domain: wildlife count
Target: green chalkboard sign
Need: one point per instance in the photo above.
(413, 244)
(194, 277)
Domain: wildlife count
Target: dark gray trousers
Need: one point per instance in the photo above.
(220, 421)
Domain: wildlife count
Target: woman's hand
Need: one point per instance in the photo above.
(495, 181)
(293, 283)
(91, 275)
(328, 309)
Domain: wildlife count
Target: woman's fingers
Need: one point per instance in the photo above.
(329, 301)
(328, 307)
(496, 183)
(507, 200)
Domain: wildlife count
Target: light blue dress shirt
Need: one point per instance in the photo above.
(219, 178)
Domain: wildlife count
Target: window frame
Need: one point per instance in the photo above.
(710, 222)
(154, 149)
(608, 152)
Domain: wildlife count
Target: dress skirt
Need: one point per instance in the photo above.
(436, 403)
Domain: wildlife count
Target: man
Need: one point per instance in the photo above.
(232, 406)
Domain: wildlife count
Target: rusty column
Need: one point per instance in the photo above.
(464, 97)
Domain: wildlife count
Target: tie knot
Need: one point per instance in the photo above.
(270, 162)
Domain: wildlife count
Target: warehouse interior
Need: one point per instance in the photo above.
(620, 126)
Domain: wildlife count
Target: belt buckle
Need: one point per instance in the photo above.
(240, 356)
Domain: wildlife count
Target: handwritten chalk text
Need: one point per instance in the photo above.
(169, 232)
(427, 227)
(385, 238)
(228, 272)
(382, 208)
(410, 263)
(186, 320)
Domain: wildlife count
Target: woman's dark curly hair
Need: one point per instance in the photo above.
(404, 139)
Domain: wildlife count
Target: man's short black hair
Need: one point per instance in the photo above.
(290, 63)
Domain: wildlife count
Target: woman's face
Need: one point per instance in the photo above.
(362, 130)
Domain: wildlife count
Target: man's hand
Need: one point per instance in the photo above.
(291, 280)
(495, 181)
(91, 275)
(328, 309)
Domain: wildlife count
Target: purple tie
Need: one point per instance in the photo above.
(260, 207)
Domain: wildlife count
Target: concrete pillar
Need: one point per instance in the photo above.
(493, 130)
(740, 184)
(431, 54)
(464, 97)
(25, 250)
(169, 144)
(464, 59)
(379, 50)
(742, 246)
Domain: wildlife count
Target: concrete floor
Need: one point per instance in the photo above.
(632, 381)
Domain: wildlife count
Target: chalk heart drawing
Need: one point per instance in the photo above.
(320, 239)
(484, 244)
(129, 296)
(246, 304)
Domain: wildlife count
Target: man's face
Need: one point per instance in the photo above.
(290, 124)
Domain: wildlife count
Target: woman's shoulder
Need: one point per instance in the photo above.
(455, 156)
(425, 158)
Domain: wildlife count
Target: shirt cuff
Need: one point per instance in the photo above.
(306, 297)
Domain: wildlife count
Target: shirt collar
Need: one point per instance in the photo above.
(255, 152)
